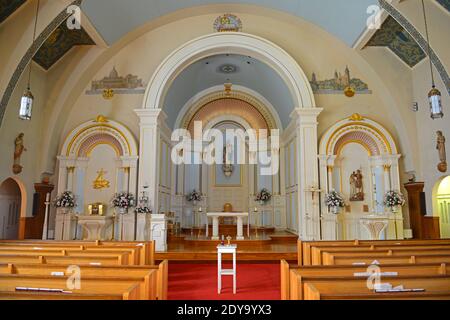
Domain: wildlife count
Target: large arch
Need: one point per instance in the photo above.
(236, 43)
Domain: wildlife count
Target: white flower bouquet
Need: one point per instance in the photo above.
(334, 200)
(65, 200)
(263, 196)
(194, 196)
(123, 200)
(394, 199)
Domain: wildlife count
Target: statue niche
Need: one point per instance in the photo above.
(356, 186)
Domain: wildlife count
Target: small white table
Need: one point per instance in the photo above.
(231, 249)
(375, 225)
(240, 223)
(95, 226)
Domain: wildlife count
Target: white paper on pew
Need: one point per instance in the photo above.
(359, 263)
(57, 274)
(37, 248)
(140, 245)
(95, 263)
(383, 286)
(376, 262)
(381, 274)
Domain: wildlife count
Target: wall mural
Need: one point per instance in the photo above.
(115, 84)
(228, 23)
(60, 41)
(7, 8)
(339, 83)
(398, 40)
(445, 4)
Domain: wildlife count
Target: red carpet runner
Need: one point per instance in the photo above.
(199, 282)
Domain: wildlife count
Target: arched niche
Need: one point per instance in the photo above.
(12, 208)
(352, 144)
(93, 147)
(441, 205)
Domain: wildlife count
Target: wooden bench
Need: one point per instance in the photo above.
(355, 271)
(146, 249)
(305, 247)
(388, 260)
(92, 285)
(93, 271)
(322, 289)
(131, 294)
(75, 260)
(317, 252)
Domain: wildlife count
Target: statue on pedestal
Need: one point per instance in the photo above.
(442, 166)
(18, 150)
(356, 186)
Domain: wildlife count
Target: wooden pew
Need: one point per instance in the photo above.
(91, 285)
(329, 258)
(354, 271)
(304, 247)
(146, 248)
(339, 287)
(387, 260)
(317, 252)
(73, 260)
(93, 271)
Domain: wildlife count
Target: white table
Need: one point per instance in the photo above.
(231, 249)
(95, 226)
(240, 223)
(375, 225)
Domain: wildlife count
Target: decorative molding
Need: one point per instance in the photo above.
(421, 41)
(26, 59)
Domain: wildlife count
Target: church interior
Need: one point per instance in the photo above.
(305, 141)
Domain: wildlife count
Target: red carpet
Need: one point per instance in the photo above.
(199, 282)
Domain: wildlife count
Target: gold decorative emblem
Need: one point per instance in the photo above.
(356, 117)
(101, 119)
(108, 94)
(101, 183)
(349, 92)
(228, 23)
(228, 88)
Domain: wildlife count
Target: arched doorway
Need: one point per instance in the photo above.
(10, 208)
(442, 202)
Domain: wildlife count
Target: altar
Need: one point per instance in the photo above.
(240, 223)
(95, 226)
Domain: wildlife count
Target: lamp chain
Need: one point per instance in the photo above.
(428, 43)
(34, 39)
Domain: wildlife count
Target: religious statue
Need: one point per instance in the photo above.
(100, 182)
(356, 186)
(227, 166)
(442, 166)
(18, 150)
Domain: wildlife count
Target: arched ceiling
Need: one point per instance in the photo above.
(113, 19)
(237, 69)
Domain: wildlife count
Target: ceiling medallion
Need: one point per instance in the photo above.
(228, 23)
(228, 69)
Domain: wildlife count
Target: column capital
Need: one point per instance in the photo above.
(306, 114)
(149, 117)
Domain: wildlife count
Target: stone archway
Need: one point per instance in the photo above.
(12, 203)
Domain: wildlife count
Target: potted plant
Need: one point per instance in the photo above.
(123, 201)
(334, 201)
(263, 196)
(194, 197)
(65, 202)
(393, 200)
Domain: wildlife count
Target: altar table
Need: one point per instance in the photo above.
(240, 224)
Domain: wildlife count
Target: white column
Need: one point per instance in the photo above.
(215, 228)
(150, 121)
(307, 171)
(240, 229)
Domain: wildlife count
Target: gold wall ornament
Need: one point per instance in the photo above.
(108, 94)
(356, 117)
(100, 182)
(349, 92)
(97, 209)
(101, 119)
(19, 148)
(228, 88)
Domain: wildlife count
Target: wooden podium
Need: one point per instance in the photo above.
(423, 227)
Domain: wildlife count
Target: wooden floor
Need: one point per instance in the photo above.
(262, 246)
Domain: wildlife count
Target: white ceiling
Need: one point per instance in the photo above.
(346, 19)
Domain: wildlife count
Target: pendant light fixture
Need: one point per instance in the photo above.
(434, 96)
(26, 103)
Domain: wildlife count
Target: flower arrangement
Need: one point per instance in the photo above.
(194, 196)
(334, 200)
(123, 200)
(263, 196)
(394, 199)
(143, 206)
(65, 200)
